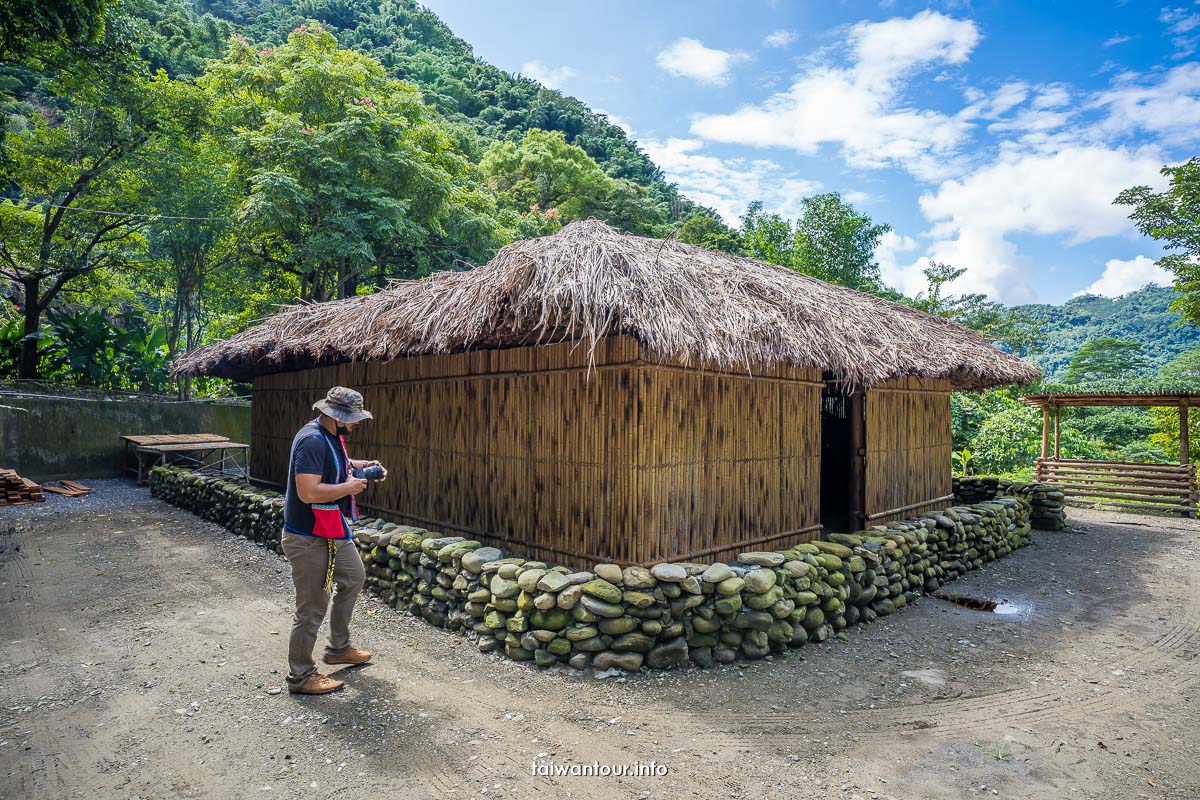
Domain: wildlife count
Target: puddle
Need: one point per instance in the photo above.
(1003, 607)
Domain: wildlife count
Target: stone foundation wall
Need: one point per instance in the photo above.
(661, 617)
(1047, 501)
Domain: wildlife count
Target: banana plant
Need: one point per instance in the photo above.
(962, 462)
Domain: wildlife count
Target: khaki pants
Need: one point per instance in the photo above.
(309, 556)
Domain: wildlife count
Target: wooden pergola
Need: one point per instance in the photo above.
(1137, 485)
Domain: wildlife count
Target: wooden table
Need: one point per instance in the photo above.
(188, 448)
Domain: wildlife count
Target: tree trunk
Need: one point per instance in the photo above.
(33, 318)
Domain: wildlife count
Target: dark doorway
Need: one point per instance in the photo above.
(842, 457)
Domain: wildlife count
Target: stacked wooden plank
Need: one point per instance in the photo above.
(15, 490)
(68, 488)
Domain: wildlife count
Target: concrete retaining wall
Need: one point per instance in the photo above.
(48, 437)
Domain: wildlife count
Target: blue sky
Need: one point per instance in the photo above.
(992, 135)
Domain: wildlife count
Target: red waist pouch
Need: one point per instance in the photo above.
(328, 522)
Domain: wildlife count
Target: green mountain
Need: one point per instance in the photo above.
(1143, 316)
(480, 103)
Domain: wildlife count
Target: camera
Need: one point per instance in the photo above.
(371, 473)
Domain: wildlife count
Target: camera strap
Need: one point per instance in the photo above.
(353, 503)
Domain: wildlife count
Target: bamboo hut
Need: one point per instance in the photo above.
(595, 396)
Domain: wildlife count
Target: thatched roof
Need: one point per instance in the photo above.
(588, 281)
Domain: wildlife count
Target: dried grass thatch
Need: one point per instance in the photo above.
(588, 281)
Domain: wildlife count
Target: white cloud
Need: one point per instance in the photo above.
(1182, 24)
(1051, 95)
(1120, 38)
(854, 197)
(1004, 99)
(728, 185)
(859, 107)
(883, 51)
(1122, 277)
(908, 278)
(1169, 107)
(688, 58)
(1067, 194)
(548, 76)
(781, 38)
(1031, 120)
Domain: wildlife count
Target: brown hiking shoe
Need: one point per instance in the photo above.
(317, 684)
(352, 656)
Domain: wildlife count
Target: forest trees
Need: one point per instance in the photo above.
(830, 240)
(343, 166)
(76, 175)
(1105, 358)
(26, 25)
(1173, 217)
(1004, 326)
(549, 183)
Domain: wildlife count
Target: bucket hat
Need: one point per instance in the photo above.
(344, 405)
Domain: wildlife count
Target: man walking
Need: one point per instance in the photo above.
(317, 539)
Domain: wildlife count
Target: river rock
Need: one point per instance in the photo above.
(638, 578)
(762, 559)
(553, 582)
(568, 598)
(716, 573)
(600, 607)
(502, 587)
(638, 599)
(796, 569)
(760, 580)
(473, 562)
(602, 589)
(730, 586)
(528, 580)
(630, 662)
(669, 573)
(668, 655)
(632, 642)
(609, 572)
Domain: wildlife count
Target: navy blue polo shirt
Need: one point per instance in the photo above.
(315, 451)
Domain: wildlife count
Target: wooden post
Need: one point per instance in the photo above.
(1184, 451)
(1045, 439)
(1057, 411)
(858, 461)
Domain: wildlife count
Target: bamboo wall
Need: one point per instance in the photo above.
(908, 467)
(636, 462)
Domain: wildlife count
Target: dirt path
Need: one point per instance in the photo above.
(141, 647)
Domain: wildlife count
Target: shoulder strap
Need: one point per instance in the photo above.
(341, 469)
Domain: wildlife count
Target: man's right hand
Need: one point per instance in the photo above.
(354, 486)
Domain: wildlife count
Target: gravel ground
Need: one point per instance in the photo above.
(145, 650)
(109, 494)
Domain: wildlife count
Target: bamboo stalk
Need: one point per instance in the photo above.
(910, 507)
